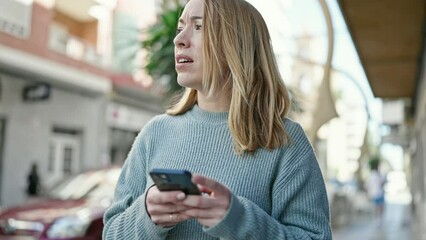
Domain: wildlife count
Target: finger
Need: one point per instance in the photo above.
(169, 219)
(200, 213)
(165, 208)
(210, 184)
(156, 196)
(197, 201)
(204, 190)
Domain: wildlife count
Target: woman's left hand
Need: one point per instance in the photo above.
(209, 209)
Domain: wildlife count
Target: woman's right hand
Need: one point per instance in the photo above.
(165, 207)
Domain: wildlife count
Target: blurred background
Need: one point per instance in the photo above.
(79, 79)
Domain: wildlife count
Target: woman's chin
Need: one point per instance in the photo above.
(188, 83)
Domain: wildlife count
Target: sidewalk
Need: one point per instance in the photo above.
(397, 225)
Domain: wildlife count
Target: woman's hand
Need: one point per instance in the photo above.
(209, 209)
(166, 208)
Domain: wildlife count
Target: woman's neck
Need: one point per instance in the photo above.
(213, 103)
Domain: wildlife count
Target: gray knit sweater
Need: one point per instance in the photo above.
(277, 194)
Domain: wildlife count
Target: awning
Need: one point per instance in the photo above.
(388, 35)
(39, 69)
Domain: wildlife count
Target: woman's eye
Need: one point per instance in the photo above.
(198, 27)
(179, 30)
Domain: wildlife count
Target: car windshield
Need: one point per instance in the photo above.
(92, 184)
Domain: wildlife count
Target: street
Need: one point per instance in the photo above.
(398, 224)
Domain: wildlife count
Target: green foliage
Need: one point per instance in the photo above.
(374, 163)
(160, 47)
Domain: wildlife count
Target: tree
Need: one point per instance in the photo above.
(159, 44)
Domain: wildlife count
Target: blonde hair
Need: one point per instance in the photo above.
(238, 55)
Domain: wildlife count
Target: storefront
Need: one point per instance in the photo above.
(124, 123)
(62, 131)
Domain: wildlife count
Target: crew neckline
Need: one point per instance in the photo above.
(208, 117)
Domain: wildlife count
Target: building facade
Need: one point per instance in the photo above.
(61, 104)
(416, 149)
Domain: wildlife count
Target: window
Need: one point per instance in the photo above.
(68, 154)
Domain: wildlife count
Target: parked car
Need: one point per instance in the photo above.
(73, 209)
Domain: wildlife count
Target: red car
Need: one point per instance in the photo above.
(73, 209)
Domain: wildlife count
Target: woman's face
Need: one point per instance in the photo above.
(188, 46)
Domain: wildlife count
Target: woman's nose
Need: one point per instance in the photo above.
(181, 39)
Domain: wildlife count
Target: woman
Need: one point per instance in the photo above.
(375, 189)
(229, 127)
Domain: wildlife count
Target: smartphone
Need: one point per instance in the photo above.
(172, 179)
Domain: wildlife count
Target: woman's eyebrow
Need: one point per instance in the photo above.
(196, 17)
(192, 18)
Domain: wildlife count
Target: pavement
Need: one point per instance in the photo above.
(398, 223)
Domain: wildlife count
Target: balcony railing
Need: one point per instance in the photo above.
(74, 47)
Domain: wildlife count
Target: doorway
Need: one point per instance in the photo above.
(121, 143)
(64, 156)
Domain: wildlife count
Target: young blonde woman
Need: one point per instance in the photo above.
(230, 129)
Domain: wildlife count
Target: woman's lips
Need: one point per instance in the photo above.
(183, 61)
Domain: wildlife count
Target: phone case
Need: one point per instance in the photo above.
(174, 179)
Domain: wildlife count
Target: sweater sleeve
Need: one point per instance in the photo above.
(127, 217)
(299, 203)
